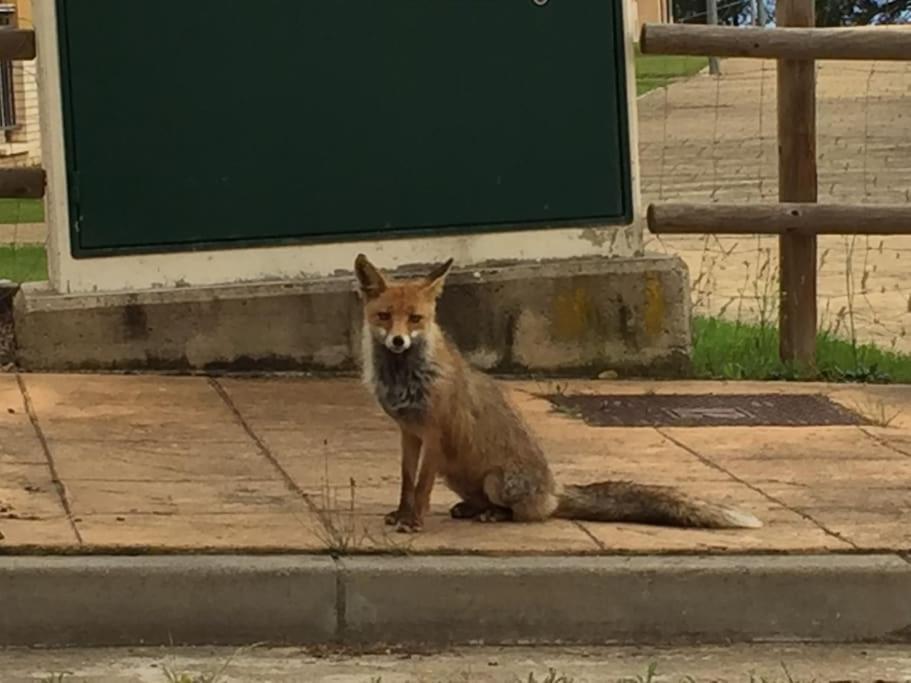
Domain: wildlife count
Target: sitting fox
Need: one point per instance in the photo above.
(456, 423)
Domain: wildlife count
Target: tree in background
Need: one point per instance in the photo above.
(862, 12)
(828, 12)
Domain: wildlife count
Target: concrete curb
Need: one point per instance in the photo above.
(370, 601)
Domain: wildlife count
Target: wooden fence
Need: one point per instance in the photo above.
(797, 219)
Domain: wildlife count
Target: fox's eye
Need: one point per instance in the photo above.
(414, 318)
(384, 316)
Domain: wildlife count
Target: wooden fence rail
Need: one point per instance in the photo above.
(17, 44)
(776, 43)
(668, 218)
(797, 220)
(22, 183)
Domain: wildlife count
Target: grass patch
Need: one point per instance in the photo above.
(21, 211)
(730, 350)
(656, 71)
(551, 677)
(23, 263)
(172, 677)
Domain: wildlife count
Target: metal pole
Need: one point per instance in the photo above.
(711, 18)
(763, 13)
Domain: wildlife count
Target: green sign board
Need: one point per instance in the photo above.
(219, 123)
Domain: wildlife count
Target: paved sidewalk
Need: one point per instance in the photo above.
(736, 664)
(177, 464)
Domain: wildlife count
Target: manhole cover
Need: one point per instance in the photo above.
(707, 410)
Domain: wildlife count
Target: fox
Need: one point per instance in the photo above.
(457, 424)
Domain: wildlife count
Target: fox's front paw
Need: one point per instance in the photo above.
(410, 523)
(397, 516)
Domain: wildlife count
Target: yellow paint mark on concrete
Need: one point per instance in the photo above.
(654, 305)
(574, 314)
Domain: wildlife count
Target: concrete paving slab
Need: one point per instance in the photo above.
(443, 535)
(131, 407)
(852, 500)
(327, 453)
(252, 532)
(886, 405)
(31, 510)
(893, 439)
(19, 444)
(12, 407)
(161, 459)
(49, 534)
(288, 401)
(884, 532)
(869, 517)
(18, 441)
(217, 496)
(583, 454)
(869, 474)
(27, 490)
(369, 500)
(757, 445)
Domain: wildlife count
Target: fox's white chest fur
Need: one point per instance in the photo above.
(400, 382)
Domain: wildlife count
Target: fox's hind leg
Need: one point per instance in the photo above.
(486, 512)
(517, 493)
(496, 513)
(476, 505)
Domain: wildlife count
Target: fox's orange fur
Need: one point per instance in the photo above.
(457, 424)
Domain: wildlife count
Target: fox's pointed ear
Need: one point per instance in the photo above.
(437, 277)
(369, 279)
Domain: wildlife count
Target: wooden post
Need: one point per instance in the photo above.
(797, 183)
(711, 18)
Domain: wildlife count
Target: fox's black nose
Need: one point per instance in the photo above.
(398, 341)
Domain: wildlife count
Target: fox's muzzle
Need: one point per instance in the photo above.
(398, 343)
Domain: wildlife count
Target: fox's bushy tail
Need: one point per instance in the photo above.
(621, 501)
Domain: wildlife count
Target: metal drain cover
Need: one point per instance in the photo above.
(707, 410)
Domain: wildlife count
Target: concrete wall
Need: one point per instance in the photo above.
(576, 317)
